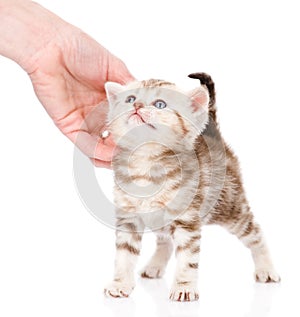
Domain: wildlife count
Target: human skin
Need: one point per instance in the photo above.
(68, 70)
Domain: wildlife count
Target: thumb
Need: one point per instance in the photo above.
(118, 71)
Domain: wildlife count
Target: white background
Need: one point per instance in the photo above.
(56, 258)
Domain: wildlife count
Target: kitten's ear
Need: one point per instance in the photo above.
(200, 99)
(112, 90)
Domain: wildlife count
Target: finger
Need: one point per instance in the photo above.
(109, 141)
(118, 71)
(104, 152)
(101, 164)
(93, 146)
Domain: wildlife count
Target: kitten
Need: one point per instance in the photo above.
(174, 174)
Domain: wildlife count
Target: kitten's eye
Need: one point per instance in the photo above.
(160, 104)
(130, 99)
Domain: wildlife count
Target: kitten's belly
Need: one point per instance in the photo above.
(146, 203)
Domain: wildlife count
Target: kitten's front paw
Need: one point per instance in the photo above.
(266, 276)
(184, 293)
(118, 289)
(152, 272)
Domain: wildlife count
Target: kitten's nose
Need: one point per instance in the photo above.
(138, 105)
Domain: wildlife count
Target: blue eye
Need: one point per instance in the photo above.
(130, 99)
(160, 104)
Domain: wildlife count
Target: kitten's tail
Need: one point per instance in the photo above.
(206, 80)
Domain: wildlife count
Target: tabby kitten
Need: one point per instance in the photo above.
(174, 174)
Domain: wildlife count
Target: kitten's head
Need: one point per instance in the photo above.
(156, 111)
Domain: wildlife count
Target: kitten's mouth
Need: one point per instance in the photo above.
(137, 118)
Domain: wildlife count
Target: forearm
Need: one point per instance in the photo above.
(25, 29)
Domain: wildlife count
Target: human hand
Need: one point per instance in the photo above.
(68, 70)
(68, 78)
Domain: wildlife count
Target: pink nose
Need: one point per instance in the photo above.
(138, 105)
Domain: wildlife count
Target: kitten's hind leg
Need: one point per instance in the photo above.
(158, 262)
(128, 244)
(250, 233)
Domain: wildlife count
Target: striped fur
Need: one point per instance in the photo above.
(175, 181)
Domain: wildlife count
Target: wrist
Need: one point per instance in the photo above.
(26, 28)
